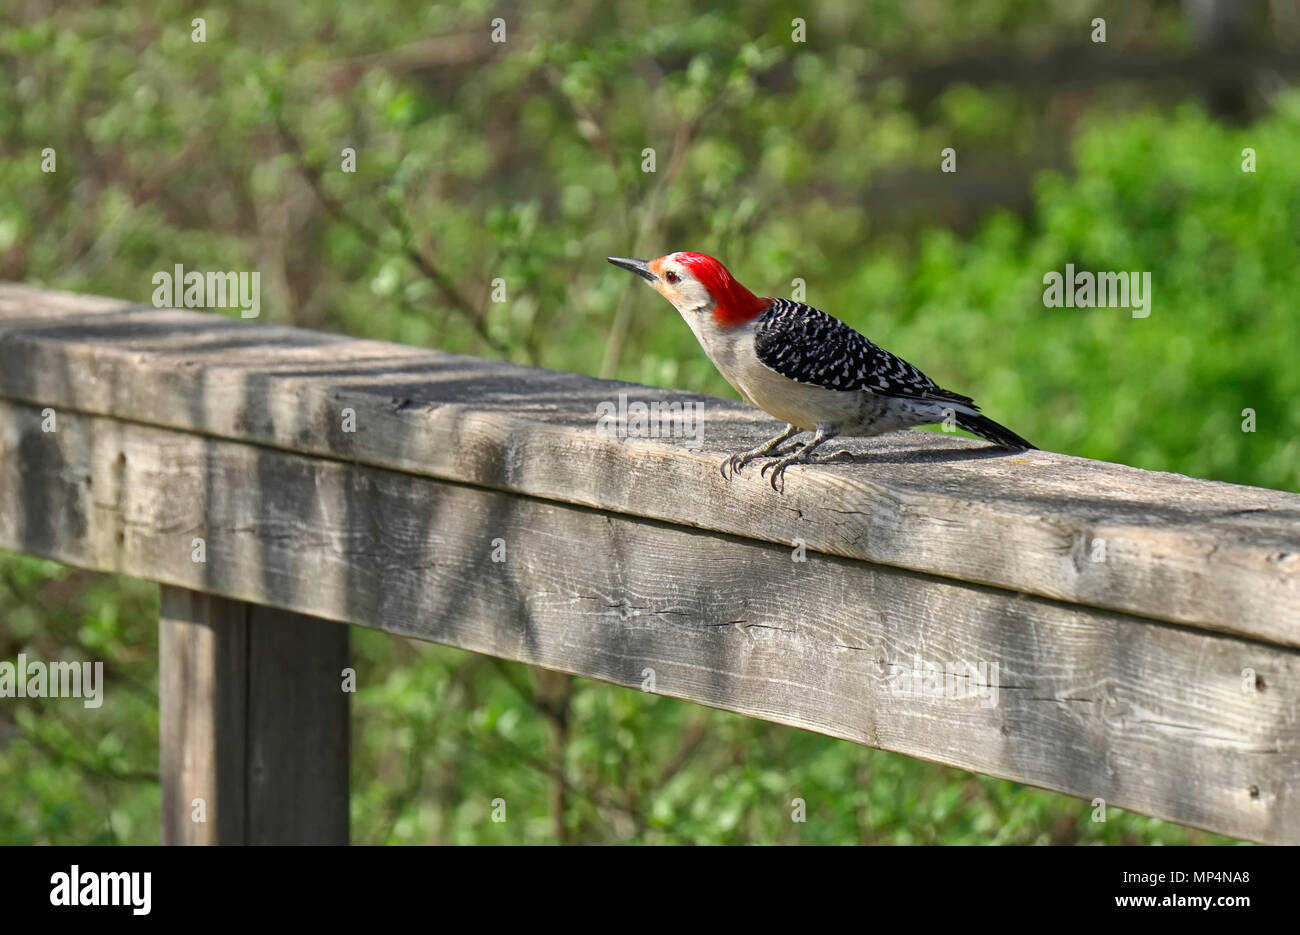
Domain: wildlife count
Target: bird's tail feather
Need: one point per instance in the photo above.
(991, 431)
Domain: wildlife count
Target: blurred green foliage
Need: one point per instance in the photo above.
(523, 161)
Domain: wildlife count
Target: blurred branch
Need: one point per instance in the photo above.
(552, 692)
(313, 175)
(441, 280)
(86, 766)
(551, 698)
(521, 688)
(652, 220)
(690, 741)
(1073, 64)
(433, 57)
(414, 780)
(589, 128)
(595, 797)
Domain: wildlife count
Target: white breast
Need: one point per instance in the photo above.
(732, 352)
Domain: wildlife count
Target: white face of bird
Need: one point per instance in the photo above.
(672, 279)
(680, 286)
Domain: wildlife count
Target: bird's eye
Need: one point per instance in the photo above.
(671, 277)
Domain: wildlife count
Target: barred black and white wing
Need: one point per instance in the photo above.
(806, 345)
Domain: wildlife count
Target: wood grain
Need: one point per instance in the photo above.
(1145, 715)
(1186, 551)
(202, 713)
(253, 723)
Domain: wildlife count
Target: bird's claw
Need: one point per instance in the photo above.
(782, 456)
(779, 465)
(737, 462)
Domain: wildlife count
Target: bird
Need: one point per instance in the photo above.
(804, 367)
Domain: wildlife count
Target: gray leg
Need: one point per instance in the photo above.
(738, 461)
(824, 433)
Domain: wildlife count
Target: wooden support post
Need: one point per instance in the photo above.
(254, 724)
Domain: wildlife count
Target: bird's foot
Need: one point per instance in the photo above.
(772, 447)
(778, 467)
(736, 462)
(802, 456)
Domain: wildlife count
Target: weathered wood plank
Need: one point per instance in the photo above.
(1188, 551)
(202, 713)
(1147, 716)
(254, 725)
(299, 729)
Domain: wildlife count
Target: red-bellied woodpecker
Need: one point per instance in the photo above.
(803, 366)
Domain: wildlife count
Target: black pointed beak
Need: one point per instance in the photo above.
(640, 267)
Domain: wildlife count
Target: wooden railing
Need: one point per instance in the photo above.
(1111, 633)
